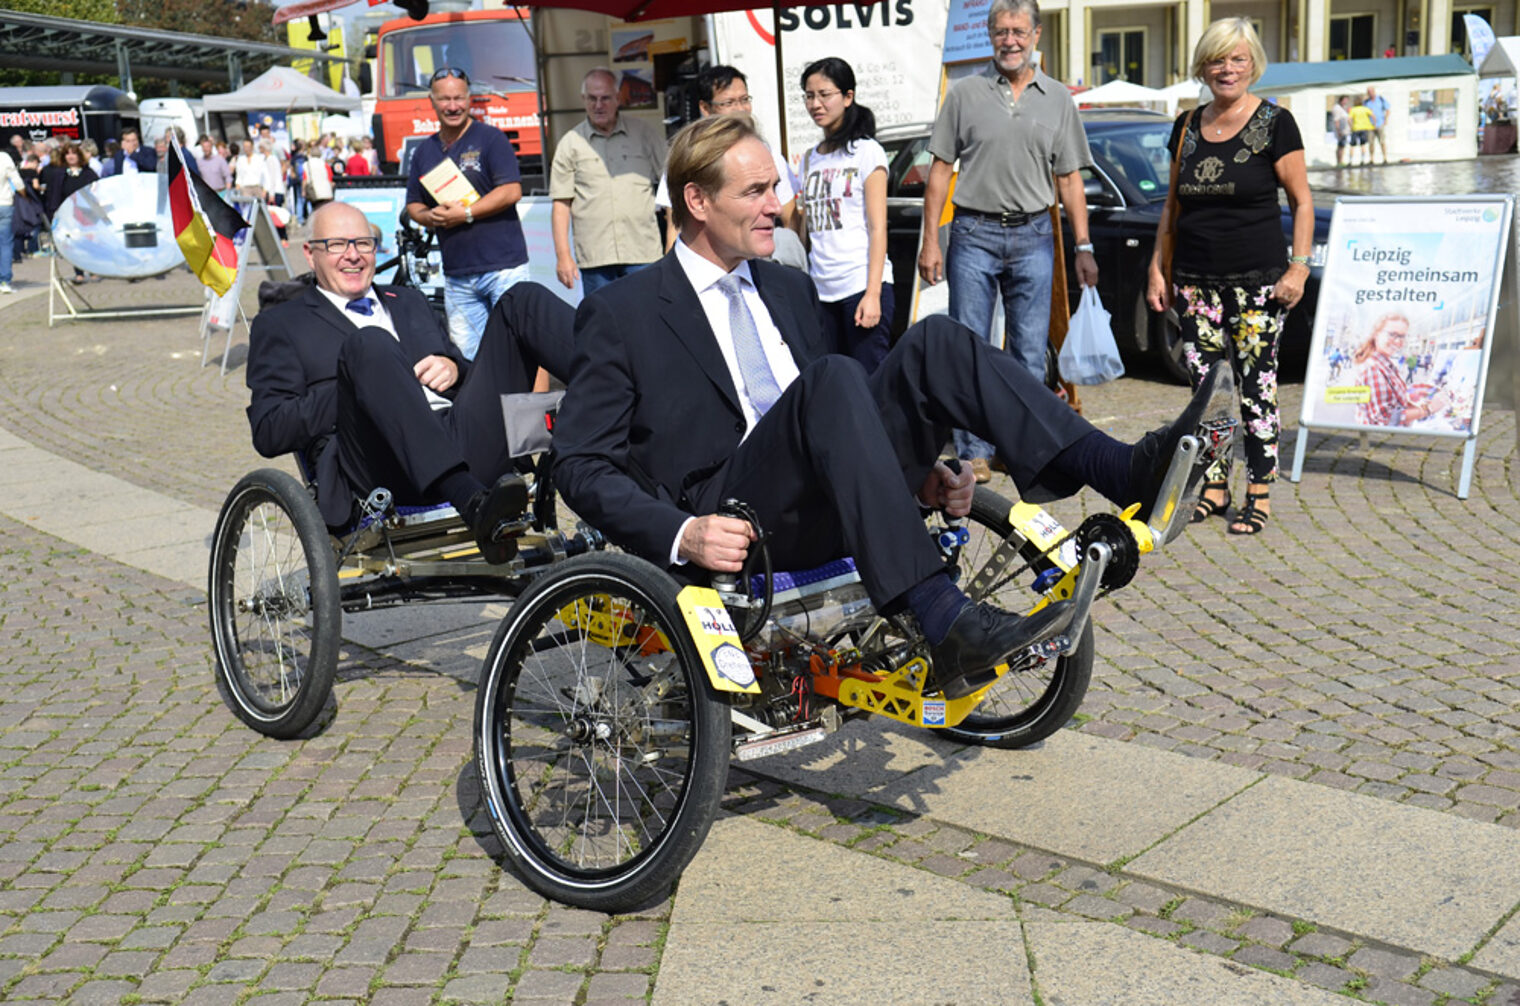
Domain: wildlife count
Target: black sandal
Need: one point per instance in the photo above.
(1206, 508)
(1253, 517)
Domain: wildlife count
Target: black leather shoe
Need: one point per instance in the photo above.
(983, 636)
(490, 511)
(1214, 400)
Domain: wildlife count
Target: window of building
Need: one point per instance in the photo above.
(1121, 55)
(1351, 36)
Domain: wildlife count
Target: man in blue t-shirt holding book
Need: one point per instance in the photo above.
(482, 242)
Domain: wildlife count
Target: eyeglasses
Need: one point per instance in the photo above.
(810, 96)
(340, 246)
(1018, 34)
(724, 106)
(1234, 63)
(448, 71)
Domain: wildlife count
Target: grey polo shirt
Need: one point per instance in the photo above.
(1009, 149)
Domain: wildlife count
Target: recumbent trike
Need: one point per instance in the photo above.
(612, 699)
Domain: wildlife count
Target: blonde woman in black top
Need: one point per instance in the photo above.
(1233, 275)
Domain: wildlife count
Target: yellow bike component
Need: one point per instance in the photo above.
(899, 696)
(716, 640)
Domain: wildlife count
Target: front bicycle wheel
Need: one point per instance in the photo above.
(1026, 704)
(273, 598)
(601, 747)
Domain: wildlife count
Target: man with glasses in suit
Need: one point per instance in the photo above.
(482, 243)
(363, 382)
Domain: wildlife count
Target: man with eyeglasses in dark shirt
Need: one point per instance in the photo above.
(482, 243)
(363, 383)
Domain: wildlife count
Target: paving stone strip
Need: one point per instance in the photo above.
(153, 849)
(1041, 881)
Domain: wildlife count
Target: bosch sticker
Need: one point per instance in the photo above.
(934, 713)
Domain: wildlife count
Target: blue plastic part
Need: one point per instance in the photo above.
(1047, 579)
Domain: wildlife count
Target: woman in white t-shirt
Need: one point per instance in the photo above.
(844, 195)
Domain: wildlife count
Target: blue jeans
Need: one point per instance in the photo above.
(986, 258)
(6, 244)
(468, 301)
(594, 279)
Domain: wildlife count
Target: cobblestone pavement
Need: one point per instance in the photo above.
(152, 849)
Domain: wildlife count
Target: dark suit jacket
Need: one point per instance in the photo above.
(293, 375)
(651, 410)
(146, 158)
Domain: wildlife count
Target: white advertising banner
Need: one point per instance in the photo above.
(892, 45)
(1404, 317)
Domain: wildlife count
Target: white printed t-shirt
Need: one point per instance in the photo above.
(834, 199)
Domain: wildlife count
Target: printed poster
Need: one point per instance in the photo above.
(1405, 311)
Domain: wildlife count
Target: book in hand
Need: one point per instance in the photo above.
(447, 184)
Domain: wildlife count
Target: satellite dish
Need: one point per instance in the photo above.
(118, 227)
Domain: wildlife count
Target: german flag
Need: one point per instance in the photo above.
(204, 225)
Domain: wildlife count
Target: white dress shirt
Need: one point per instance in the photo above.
(380, 319)
(704, 276)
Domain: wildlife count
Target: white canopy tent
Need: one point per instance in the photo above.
(1503, 60)
(1119, 92)
(282, 89)
(1183, 90)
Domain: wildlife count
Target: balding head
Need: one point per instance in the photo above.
(341, 268)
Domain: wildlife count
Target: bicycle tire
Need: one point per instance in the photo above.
(1024, 706)
(272, 591)
(601, 760)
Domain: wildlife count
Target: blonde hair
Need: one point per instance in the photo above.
(1366, 349)
(1220, 39)
(696, 157)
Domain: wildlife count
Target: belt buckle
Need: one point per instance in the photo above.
(1013, 218)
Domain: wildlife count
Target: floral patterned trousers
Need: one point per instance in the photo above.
(1245, 324)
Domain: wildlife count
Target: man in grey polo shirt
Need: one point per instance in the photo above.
(602, 181)
(1012, 127)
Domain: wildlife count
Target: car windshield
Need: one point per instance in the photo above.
(497, 55)
(1137, 151)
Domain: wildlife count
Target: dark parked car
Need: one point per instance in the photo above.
(1126, 190)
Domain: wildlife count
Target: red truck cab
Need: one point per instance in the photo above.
(494, 47)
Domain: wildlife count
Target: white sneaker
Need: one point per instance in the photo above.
(6, 288)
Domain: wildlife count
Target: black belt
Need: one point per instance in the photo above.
(1013, 219)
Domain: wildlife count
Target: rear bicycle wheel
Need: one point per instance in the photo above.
(1027, 704)
(601, 748)
(272, 592)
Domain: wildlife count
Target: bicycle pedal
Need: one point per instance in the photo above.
(1218, 433)
(1051, 648)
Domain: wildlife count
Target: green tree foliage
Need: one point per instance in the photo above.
(224, 18)
(80, 10)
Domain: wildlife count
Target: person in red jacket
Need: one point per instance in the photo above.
(357, 164)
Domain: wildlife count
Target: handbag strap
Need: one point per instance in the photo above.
(1171, 188)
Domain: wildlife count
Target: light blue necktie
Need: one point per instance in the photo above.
(759, 382)
(362, 305)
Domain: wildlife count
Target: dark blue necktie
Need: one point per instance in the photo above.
(362, 305)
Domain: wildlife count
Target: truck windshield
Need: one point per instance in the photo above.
(497, 55)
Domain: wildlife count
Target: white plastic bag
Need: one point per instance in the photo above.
(1090, 355)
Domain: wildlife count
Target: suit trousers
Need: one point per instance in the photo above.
(388, 434)
(833, 468)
